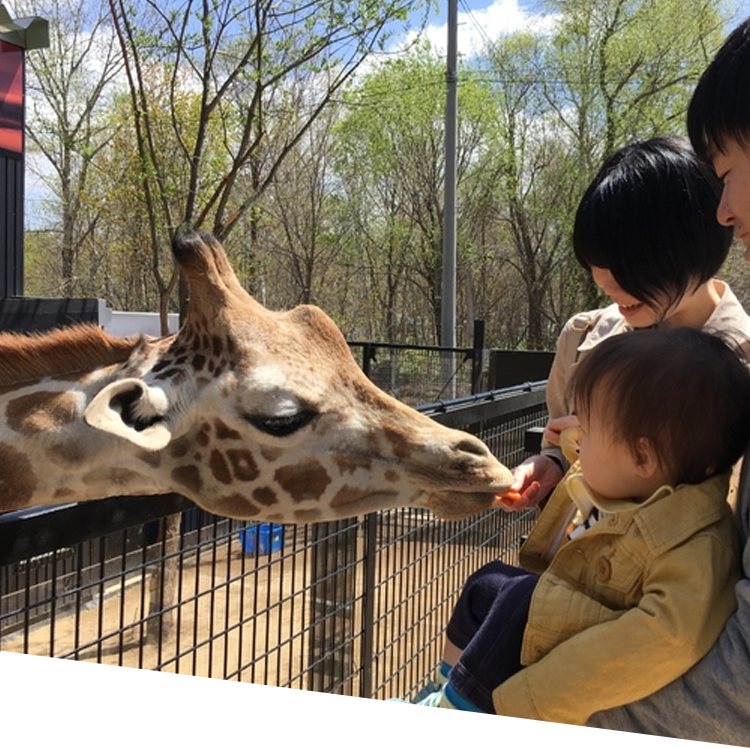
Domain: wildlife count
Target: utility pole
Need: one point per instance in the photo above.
(448, 301)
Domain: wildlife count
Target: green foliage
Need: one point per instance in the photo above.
(258, 121)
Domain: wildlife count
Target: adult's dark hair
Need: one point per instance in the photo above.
(649, 217)
(720, 106)
(684, 390)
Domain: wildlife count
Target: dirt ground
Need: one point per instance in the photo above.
(93, 683)
(239, 671)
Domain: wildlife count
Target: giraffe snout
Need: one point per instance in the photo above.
(472, 446)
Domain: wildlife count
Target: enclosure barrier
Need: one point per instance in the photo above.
(353, 607)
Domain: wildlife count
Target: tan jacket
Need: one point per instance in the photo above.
(627, 606)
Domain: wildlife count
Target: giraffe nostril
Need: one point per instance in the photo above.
(472, 447)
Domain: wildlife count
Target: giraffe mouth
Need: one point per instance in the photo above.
(454, 505)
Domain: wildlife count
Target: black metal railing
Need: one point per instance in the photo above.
(355, 607)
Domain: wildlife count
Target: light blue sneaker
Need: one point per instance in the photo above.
(431, 687)
(399, 724)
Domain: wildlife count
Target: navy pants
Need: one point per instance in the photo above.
(488, 624)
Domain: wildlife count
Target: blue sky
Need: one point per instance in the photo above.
(479, 20)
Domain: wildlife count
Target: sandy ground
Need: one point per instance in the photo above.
(95, 682)
(258, 619)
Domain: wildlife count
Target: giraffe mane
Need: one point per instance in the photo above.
(63, 351)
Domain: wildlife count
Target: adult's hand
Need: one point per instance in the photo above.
(556, 426)
(534, 479)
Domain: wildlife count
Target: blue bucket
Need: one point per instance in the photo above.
(263, 538)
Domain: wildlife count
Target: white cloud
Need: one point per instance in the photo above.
(479, 26)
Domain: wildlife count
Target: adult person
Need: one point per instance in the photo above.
(645, 230)
(711, 701)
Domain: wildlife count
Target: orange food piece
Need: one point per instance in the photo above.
(510, 496)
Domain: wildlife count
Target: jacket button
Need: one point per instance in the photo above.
(603, 569)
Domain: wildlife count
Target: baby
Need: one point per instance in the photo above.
(627, 577)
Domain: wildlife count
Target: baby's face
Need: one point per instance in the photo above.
(608, 465)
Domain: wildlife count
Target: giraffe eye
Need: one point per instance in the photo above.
(282, 425)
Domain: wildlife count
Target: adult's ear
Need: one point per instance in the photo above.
(131, 410)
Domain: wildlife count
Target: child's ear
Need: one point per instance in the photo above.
(646, 459)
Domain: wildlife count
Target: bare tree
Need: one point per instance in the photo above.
(68, 83)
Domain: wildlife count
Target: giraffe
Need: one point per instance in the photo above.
(250, 413)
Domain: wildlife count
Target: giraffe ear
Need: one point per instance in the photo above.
(131, 410)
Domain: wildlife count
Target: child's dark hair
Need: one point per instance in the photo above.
(684, 390)
(719, 107)
(649, 217)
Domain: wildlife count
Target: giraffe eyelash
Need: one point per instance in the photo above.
(282, 425)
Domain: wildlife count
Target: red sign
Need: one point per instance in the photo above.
(11, 97)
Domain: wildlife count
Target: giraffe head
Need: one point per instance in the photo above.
(258, 414)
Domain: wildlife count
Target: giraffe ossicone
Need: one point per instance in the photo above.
(250, 413)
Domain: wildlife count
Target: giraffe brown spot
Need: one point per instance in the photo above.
(271, 454)
(66, 454)
(225, 432)
(391, 476)
(62, 494)
(203, 438)
(150, 458)
(176, 375)
(350, 463)
(243, 464)
(306, 516)
(219, 467)
(41, 411)
(399, 441)
(178, 449)
(234, 505)
(199, 362)
(188, 476)
(119, 476)
(372, 441)
(265, 496)
(17, 479)
(305, 481)
(348, 495)
(217, 345)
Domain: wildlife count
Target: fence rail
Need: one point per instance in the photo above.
(355, 607)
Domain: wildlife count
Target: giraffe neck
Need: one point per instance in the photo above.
(47, 453)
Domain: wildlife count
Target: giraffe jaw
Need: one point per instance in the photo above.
(455, 505)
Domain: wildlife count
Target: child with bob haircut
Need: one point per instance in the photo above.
(627, 578)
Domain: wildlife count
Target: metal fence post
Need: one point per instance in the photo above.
(477, 359)
(368, 605)
(332, 601)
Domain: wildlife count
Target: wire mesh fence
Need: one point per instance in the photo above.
(354, 607)
(422, 374)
